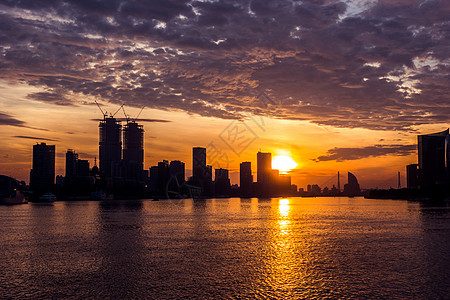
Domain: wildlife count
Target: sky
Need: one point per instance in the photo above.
(336, 85)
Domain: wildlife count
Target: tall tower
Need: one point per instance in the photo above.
(264, 167)
(42, 175)
(110, 144)
(431, 150)
(71, 163)
(246, 178)
(133, 143)
(199, 163)
(222, 182)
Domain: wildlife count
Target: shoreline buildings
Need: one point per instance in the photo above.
(433, 158)
(121, 171)
(42, 174)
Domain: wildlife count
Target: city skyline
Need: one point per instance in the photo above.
(335, 85)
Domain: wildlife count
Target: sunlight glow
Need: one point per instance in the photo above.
(283, 163)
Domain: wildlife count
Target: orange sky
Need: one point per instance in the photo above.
(73, 127)
(343, 85)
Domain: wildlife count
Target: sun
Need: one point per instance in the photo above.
(283, 163)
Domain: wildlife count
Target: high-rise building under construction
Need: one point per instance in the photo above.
(133, 143)
(110, 144)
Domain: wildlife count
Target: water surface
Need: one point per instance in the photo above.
(226, 248)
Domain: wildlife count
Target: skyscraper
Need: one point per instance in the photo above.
(246, 178)
(163, 176)
(222, 182)
(177, 171)
(71, 163)
(42, 175)
(133, 143)
(199, 163)
(264, 167)
(110, 145)
(432, 158)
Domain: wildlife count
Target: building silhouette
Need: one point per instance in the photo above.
(163, 176)
(167, 179)
(222, 182)
(71, 163)
(78, 180)
(133, 144)
(352, 187)
(245, 179)
(201, 173)
(110, 145)
(177, 177)
(447, 158)
(264, 167)
(42, 174)
(75, 166)
(198, 163)
(432, 158)
(412, 176)
(153, 181)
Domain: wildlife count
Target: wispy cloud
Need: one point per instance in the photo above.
(343, 154)
(35, 138)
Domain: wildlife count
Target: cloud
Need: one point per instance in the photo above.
(383, 65)
(35, 138)
(49, 97)
(343, 154)
(8, 120)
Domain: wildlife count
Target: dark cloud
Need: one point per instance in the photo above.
(343, 154)
(48, 97)
(34, 138)
(384, 66)
(6, 119)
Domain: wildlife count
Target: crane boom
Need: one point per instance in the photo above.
(117, 111)
(126, 116)
(139, 113)
(103, 113)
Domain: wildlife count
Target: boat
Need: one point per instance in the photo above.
(10, 191)
(47, 197)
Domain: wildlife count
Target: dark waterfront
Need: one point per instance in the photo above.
(226, 248)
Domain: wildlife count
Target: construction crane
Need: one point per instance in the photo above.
(104, 113)
(112, 116)
(138, 114)
(126, 116)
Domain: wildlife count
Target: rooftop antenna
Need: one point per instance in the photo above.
(138, 114)
(104, 113)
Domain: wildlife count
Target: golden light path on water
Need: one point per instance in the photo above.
(284, 268)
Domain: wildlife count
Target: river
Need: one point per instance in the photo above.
(280, 248)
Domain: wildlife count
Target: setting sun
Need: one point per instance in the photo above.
(283, 163)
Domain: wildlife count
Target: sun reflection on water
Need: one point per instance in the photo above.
(283, 207)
